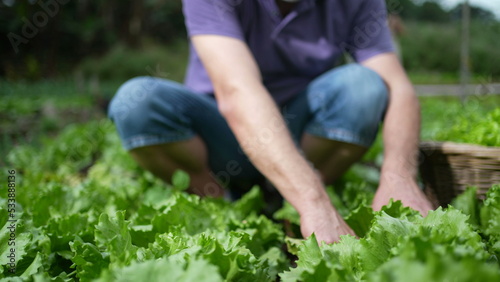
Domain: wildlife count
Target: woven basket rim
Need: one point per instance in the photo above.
(462, 148)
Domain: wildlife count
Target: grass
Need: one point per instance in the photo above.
(122, 63)
(32, 110)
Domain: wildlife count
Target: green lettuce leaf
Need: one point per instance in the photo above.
(468, 204)
(434, 267)
(88, 260)
(180, 180)
(490, 220)
(165, 270)
(113, 235)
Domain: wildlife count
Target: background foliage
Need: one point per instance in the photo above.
(119, 39)
(80, 29)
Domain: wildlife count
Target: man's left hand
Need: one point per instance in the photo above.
(404, 189)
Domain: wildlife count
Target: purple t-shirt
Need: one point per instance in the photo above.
(293, 50)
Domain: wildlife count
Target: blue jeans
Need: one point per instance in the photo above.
(345, 104)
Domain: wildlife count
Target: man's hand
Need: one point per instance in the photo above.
(404, 189)
(401, 138)
(325, 222)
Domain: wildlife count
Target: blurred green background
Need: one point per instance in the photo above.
(116, 40)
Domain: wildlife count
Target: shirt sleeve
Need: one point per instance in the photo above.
(216, 17)
(369, 34)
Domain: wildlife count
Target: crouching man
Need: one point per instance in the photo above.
(262, 99)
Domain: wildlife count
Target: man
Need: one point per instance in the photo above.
(262, 56)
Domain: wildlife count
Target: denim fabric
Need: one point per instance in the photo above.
(345, 104)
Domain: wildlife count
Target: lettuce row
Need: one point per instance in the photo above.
(474, 127)
(86, 212)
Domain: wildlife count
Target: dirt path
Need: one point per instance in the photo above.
(455, 89)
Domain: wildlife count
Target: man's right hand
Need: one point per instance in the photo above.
(325, 222)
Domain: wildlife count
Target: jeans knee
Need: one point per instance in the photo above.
(361, 91)
(351, 99)
(149, 110)
(366, 89)
(132, 99)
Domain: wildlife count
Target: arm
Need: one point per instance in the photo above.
(259, 128)
(401, 137)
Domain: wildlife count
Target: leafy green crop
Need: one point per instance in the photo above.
(474, 128)
(86, 212)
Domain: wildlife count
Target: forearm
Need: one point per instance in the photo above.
(402, 120)
(263, 135)
(401, 134)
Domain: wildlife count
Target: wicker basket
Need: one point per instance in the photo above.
(447, 169)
